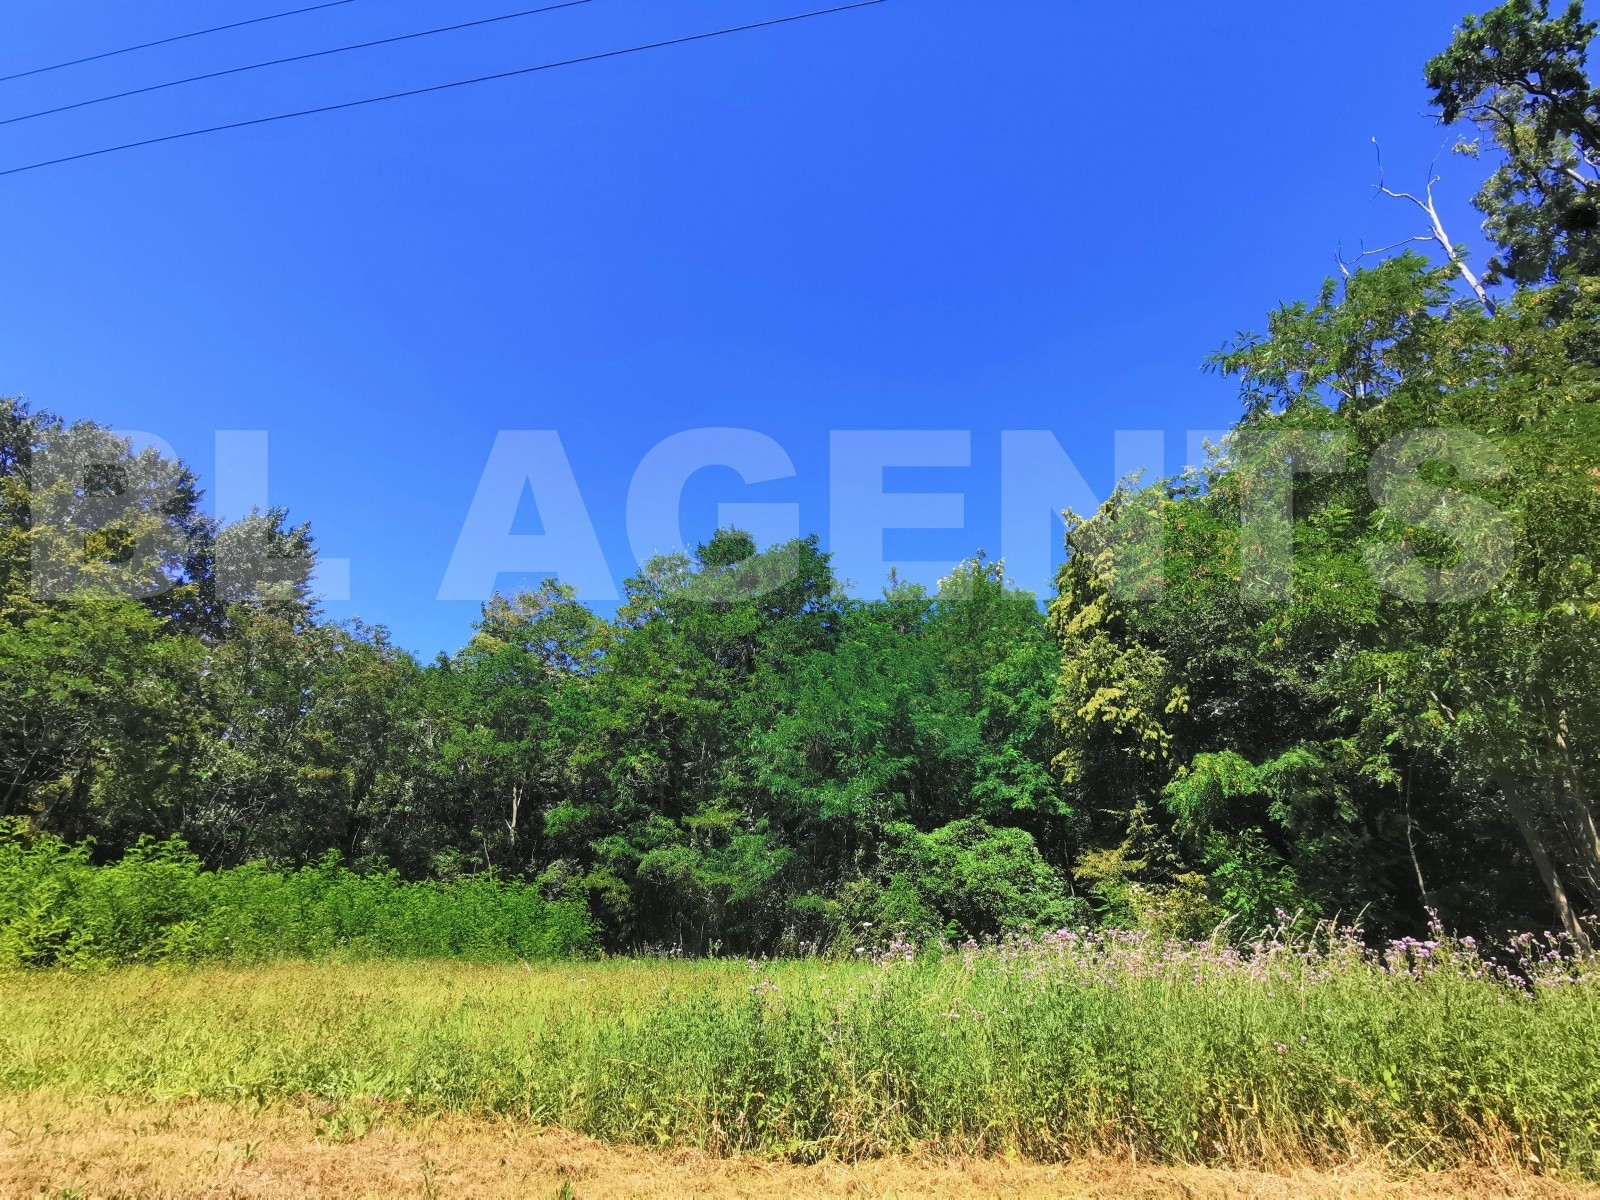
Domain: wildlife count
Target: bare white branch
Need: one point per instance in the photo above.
(1437, 233)
(1346, 263)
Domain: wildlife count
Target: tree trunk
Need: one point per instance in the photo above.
(1585, 836)
(1541, 858)
(1575, 795)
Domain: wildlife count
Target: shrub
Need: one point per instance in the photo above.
(157, 904)
(970, 879)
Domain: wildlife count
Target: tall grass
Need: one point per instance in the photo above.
(1284, 1052)
(157, 904)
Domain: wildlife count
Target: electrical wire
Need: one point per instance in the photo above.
(177, 37)
(293, 58)
(441, 87)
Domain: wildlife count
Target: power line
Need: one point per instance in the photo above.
(441, 87)
(294, 58)
(177, 37)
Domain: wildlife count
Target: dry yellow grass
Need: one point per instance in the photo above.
(52, 1145)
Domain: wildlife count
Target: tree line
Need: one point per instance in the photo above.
(1346, 667)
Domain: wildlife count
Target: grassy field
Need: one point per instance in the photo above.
(1277, 1057)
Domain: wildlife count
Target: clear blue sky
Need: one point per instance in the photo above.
(926, 215)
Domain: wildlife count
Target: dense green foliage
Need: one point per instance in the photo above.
(1381, 702)
(157, 904)
(1287, 1053)
(1409, 662)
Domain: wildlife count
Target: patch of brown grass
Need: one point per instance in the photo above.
(54, 1146)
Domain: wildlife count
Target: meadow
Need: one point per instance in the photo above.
(1291, 1052)
(363, 999)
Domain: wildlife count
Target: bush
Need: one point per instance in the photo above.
(969, 879)
(157, 904)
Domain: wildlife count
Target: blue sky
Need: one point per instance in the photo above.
(941, 215)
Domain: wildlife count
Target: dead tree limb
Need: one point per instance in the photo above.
(1436, 233)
